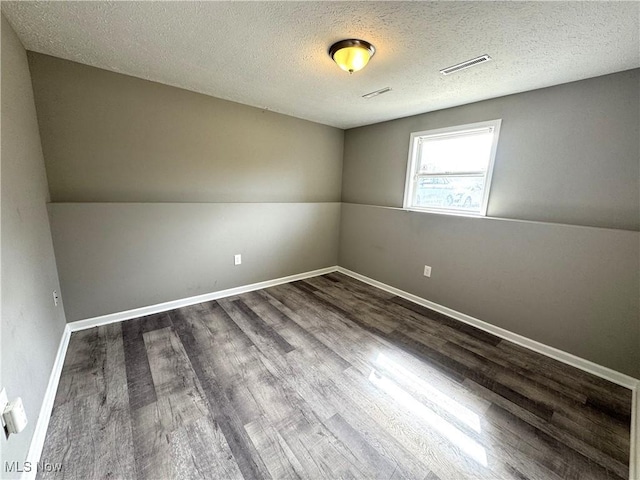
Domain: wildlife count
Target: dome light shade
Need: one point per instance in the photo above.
(351, 55)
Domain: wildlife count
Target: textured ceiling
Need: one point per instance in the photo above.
(273, 55)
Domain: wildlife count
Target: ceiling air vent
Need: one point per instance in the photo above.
(377, 92)
(463, 65)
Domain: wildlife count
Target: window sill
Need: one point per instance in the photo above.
(454, 213)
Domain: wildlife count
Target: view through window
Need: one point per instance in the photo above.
(450, 168)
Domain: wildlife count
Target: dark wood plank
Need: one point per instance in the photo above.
(598, 390)
(81, 373)
(153, 322)
(377, 465)
(449, 322)
(613, 439)
(543, 448)
(180, 397)
(442, 456)
(274, 450)
(574, 443)
(280, 318)
(327, 377)
(319, 452)
(139, 380)
(340, 337)
(222, 409)
(332, 329)
(261, 328)
(200, 450)
(319, 301)
(340, 280)
(151, 444)
(91, 436)
(433, 334)
(365, 312)
(319, 393)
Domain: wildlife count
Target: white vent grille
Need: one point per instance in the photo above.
(377, 92)
(466, 64)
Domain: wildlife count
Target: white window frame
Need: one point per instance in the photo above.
(413, 166)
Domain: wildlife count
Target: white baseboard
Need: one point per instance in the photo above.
(185, 302)
(598, 370)
(634, 447)
(40, 432)
(560, 355)
(564, 357)
(39, 435)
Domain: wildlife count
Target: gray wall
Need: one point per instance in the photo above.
(182, 182)
(31, 326)
(566, 154)
(570, 287)
(567, 161)
(114, 138)
(118, 256)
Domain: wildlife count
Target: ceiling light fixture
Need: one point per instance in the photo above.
(351, 55)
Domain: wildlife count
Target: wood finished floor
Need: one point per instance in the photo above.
(326, 378)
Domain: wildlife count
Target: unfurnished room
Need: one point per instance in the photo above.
(320, 240)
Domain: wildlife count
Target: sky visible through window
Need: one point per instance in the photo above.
(456, 153)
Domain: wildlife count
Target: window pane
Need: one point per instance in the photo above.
(450, 168)
(451, 193)
(468, 152)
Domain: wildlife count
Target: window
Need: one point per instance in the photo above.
(450, 168)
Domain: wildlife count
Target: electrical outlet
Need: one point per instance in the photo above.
(237, 259)
(15, 418)
(427, 271)
(3, 404)
(3, 401)
(56, 298)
